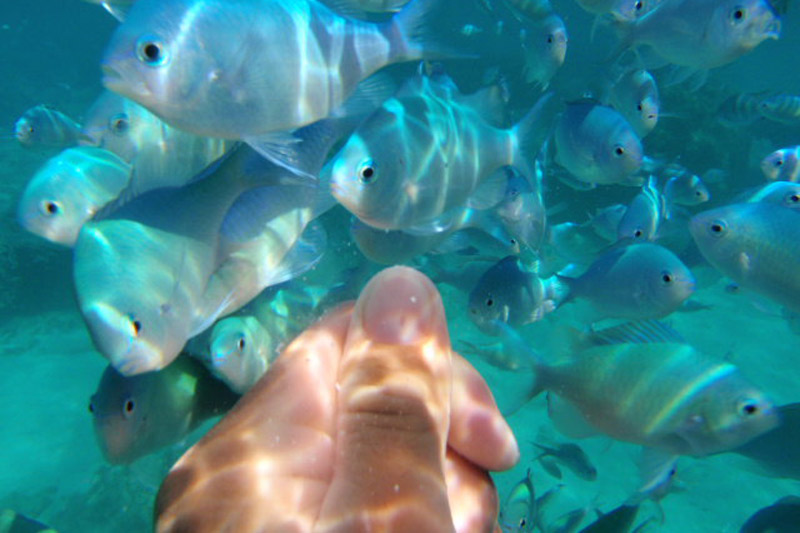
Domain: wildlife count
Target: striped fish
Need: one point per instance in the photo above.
(45, 127)
(784, 108)
(659, 392)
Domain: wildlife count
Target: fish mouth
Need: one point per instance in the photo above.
(116, 81)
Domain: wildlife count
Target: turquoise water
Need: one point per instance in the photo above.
(50, 466)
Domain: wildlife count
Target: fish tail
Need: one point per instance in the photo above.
(415, 33)
(530, 133)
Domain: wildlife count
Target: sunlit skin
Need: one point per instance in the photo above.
(367, 422)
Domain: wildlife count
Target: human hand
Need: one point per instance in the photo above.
(366, 422)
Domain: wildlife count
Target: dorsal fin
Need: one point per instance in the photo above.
(639, 332)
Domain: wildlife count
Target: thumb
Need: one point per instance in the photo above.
(393, 409)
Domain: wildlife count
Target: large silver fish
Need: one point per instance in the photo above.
(68, 190)
(163, 267)
(419, 160)
(756, 245)
(250, 69)
(634, 282)
(704, 34)
(596, 145)
(139, 415)
(45, 127)
(641, 383)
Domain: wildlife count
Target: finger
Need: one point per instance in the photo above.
(477, 429)
(267, 464)
(472, 495)
(393, 414)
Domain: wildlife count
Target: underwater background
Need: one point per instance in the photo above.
(51, 468)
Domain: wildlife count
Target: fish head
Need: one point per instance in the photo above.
(492, 299)
(238, 347)
(623, 151)
(554, 39)
(772, 165)
(673, 283)
(121, 125)
(118, 409)
(647, 112)
(24, 131)
(370, 175)
(732, 413)
(137, 305)
(161, 57)
(740, 25)
(723, 236)
(783, 193)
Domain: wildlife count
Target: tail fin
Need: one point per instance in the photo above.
(532, 131)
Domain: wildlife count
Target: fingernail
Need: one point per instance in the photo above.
(400, 306)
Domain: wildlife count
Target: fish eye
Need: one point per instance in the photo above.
(793, 198)
(489, 302)
(91, 407)
(638, 5)
(637, 233)
(549, 38)
(778, 162)
(639, 106)
(748, 407)
(619, 151)
(151, 51)
(366, 171)
(240, 344)
(50, 208)
(129, 406)
(667, 277)
(718, 227)
(738, 14)
(119, 123)
(522, 523)
(136, 326)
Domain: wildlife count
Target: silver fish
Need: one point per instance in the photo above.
(240, 351)
(640, 383)
(634, 282)
(704, 34)
(596, 145)
(136, 416)
(644, 215)
(518, 512)
(509, 293)
(201, 251)
(161, 156)
(782, 165)
(635, 95)
(756, 245)
(545, 49)
(315, 59)
(442, 154)
(570, 455)
(784, 193)
(685, 188)
(68, 190)
(45, 127)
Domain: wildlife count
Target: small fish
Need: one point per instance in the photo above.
(783, 108)
(45, 127)
(444, 158)
(519, 509)
(545, 50)
(685, 188)
(572, 456)
(139, 415)
(641, 383)
(741, 109)
(240, 350)
(522, 211)
(596, 145)
(14, 522)
(703, 34)
(756, 245)
(635, 96)
(783, 516)
(620, 520)
(635, 282)
(513, 295)
(69, 190)
(644, 215)
(158, 57)
(161, 156)
(782, 165)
